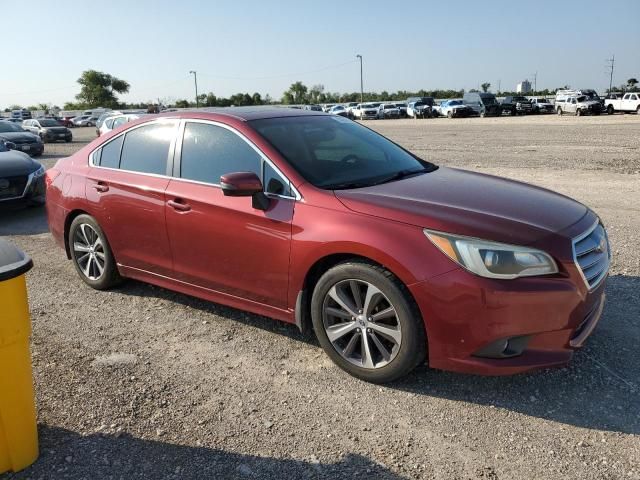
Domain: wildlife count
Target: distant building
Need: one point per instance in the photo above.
(524, 87)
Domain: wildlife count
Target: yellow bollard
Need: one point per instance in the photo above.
(18, 429)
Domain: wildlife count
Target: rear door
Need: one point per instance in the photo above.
(126, 186)
(222, 243)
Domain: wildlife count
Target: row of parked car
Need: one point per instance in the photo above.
(577, 102)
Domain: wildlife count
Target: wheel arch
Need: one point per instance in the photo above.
(67, 226)
(322, 265)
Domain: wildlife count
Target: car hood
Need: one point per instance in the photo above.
(468, 203)
(19, 137)
(14, 163)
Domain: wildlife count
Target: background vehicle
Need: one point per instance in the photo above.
(314, 108)
(388, 110)
(21, 114)
(48, 129)
(580, 105)
(67, 121)
(379, 268)
(327, 106)
(96, 112)
(339, 110)
(483, 104)
(85, 121)
(106, 115)
(111, 123)
(21, 139)
(418, 110)
(11, 119)
(629, 102)
(541, 105)
(368, 111)
(454, 109)
(21, 178)
(402, 107)
(517, 105)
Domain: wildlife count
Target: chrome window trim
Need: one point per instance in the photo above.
(145, 124)
(605, 272)
(296, 194)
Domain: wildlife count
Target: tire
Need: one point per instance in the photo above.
(483, 114)
(560, 111)
(85, 234)
(610, 110)
(638, 110)
(43, 138)
(390, 355)
(578, 112)
(449, 114)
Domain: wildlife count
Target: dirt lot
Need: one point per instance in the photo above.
(141, 382)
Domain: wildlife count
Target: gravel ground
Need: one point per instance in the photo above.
(141, 382)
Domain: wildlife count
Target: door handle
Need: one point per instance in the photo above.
(179, 205)
(100, 187)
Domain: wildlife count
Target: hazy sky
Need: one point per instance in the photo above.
(264, 46)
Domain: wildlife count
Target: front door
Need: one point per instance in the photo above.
(222, 243)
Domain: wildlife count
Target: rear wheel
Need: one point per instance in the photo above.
(367, 323)
(91, 253)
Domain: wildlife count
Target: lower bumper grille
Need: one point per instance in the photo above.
(12, 187)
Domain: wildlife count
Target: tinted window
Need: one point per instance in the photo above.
(210, 151)
(108, 122)
(110, 156)
(146, 148)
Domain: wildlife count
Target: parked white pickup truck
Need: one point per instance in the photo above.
(630, 102)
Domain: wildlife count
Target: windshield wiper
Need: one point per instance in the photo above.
(400, 175)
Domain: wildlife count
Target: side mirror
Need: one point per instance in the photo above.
(245, 184)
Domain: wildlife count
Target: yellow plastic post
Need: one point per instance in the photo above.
(18, 429)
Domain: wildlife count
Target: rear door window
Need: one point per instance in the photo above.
(146, 149)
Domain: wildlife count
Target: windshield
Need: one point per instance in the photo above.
(336, 153)
(368, 105)
(6, 127)
(582, 98)
(418, 104)
(455, 102)
(49, 123)
(386, 107)
(488, 100)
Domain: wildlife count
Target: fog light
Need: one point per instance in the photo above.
(504, 347)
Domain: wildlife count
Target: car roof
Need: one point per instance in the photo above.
(250, 113)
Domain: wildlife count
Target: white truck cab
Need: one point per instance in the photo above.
(630, 102)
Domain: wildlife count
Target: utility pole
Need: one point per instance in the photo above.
(195, 80)
(610, 64)
(361, 84)
(498, 86)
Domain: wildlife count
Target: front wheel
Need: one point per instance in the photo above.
(638, 110)
(578, 112)
(450, 114)
(559, 111)
(91, 253)
(366, 321)
(610, 110)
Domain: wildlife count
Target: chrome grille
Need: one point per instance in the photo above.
(592, 255)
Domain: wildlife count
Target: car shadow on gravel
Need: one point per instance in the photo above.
(21, 220)
(599, 389)
(66, 454)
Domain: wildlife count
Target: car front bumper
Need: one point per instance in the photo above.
(33, 192)
(55, 137)
(465, 316)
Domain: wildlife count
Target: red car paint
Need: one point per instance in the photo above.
(190, 237)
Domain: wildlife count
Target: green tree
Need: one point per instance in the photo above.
(485, 87)
(182, 104)
(211, 100)
(256, 99)
(632, 82)
(297, 94)
(98, 89)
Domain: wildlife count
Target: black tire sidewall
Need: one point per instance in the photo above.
(413, 346)
(111, 277)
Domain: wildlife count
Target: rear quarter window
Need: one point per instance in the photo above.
(109, 156)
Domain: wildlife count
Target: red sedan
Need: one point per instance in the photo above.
(316, 220)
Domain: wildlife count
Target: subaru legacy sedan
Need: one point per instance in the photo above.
(318, 221)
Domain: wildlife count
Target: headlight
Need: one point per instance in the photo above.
(492, 259)
(39, 173)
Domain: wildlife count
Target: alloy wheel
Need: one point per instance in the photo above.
(361, 324)
(89, 252)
